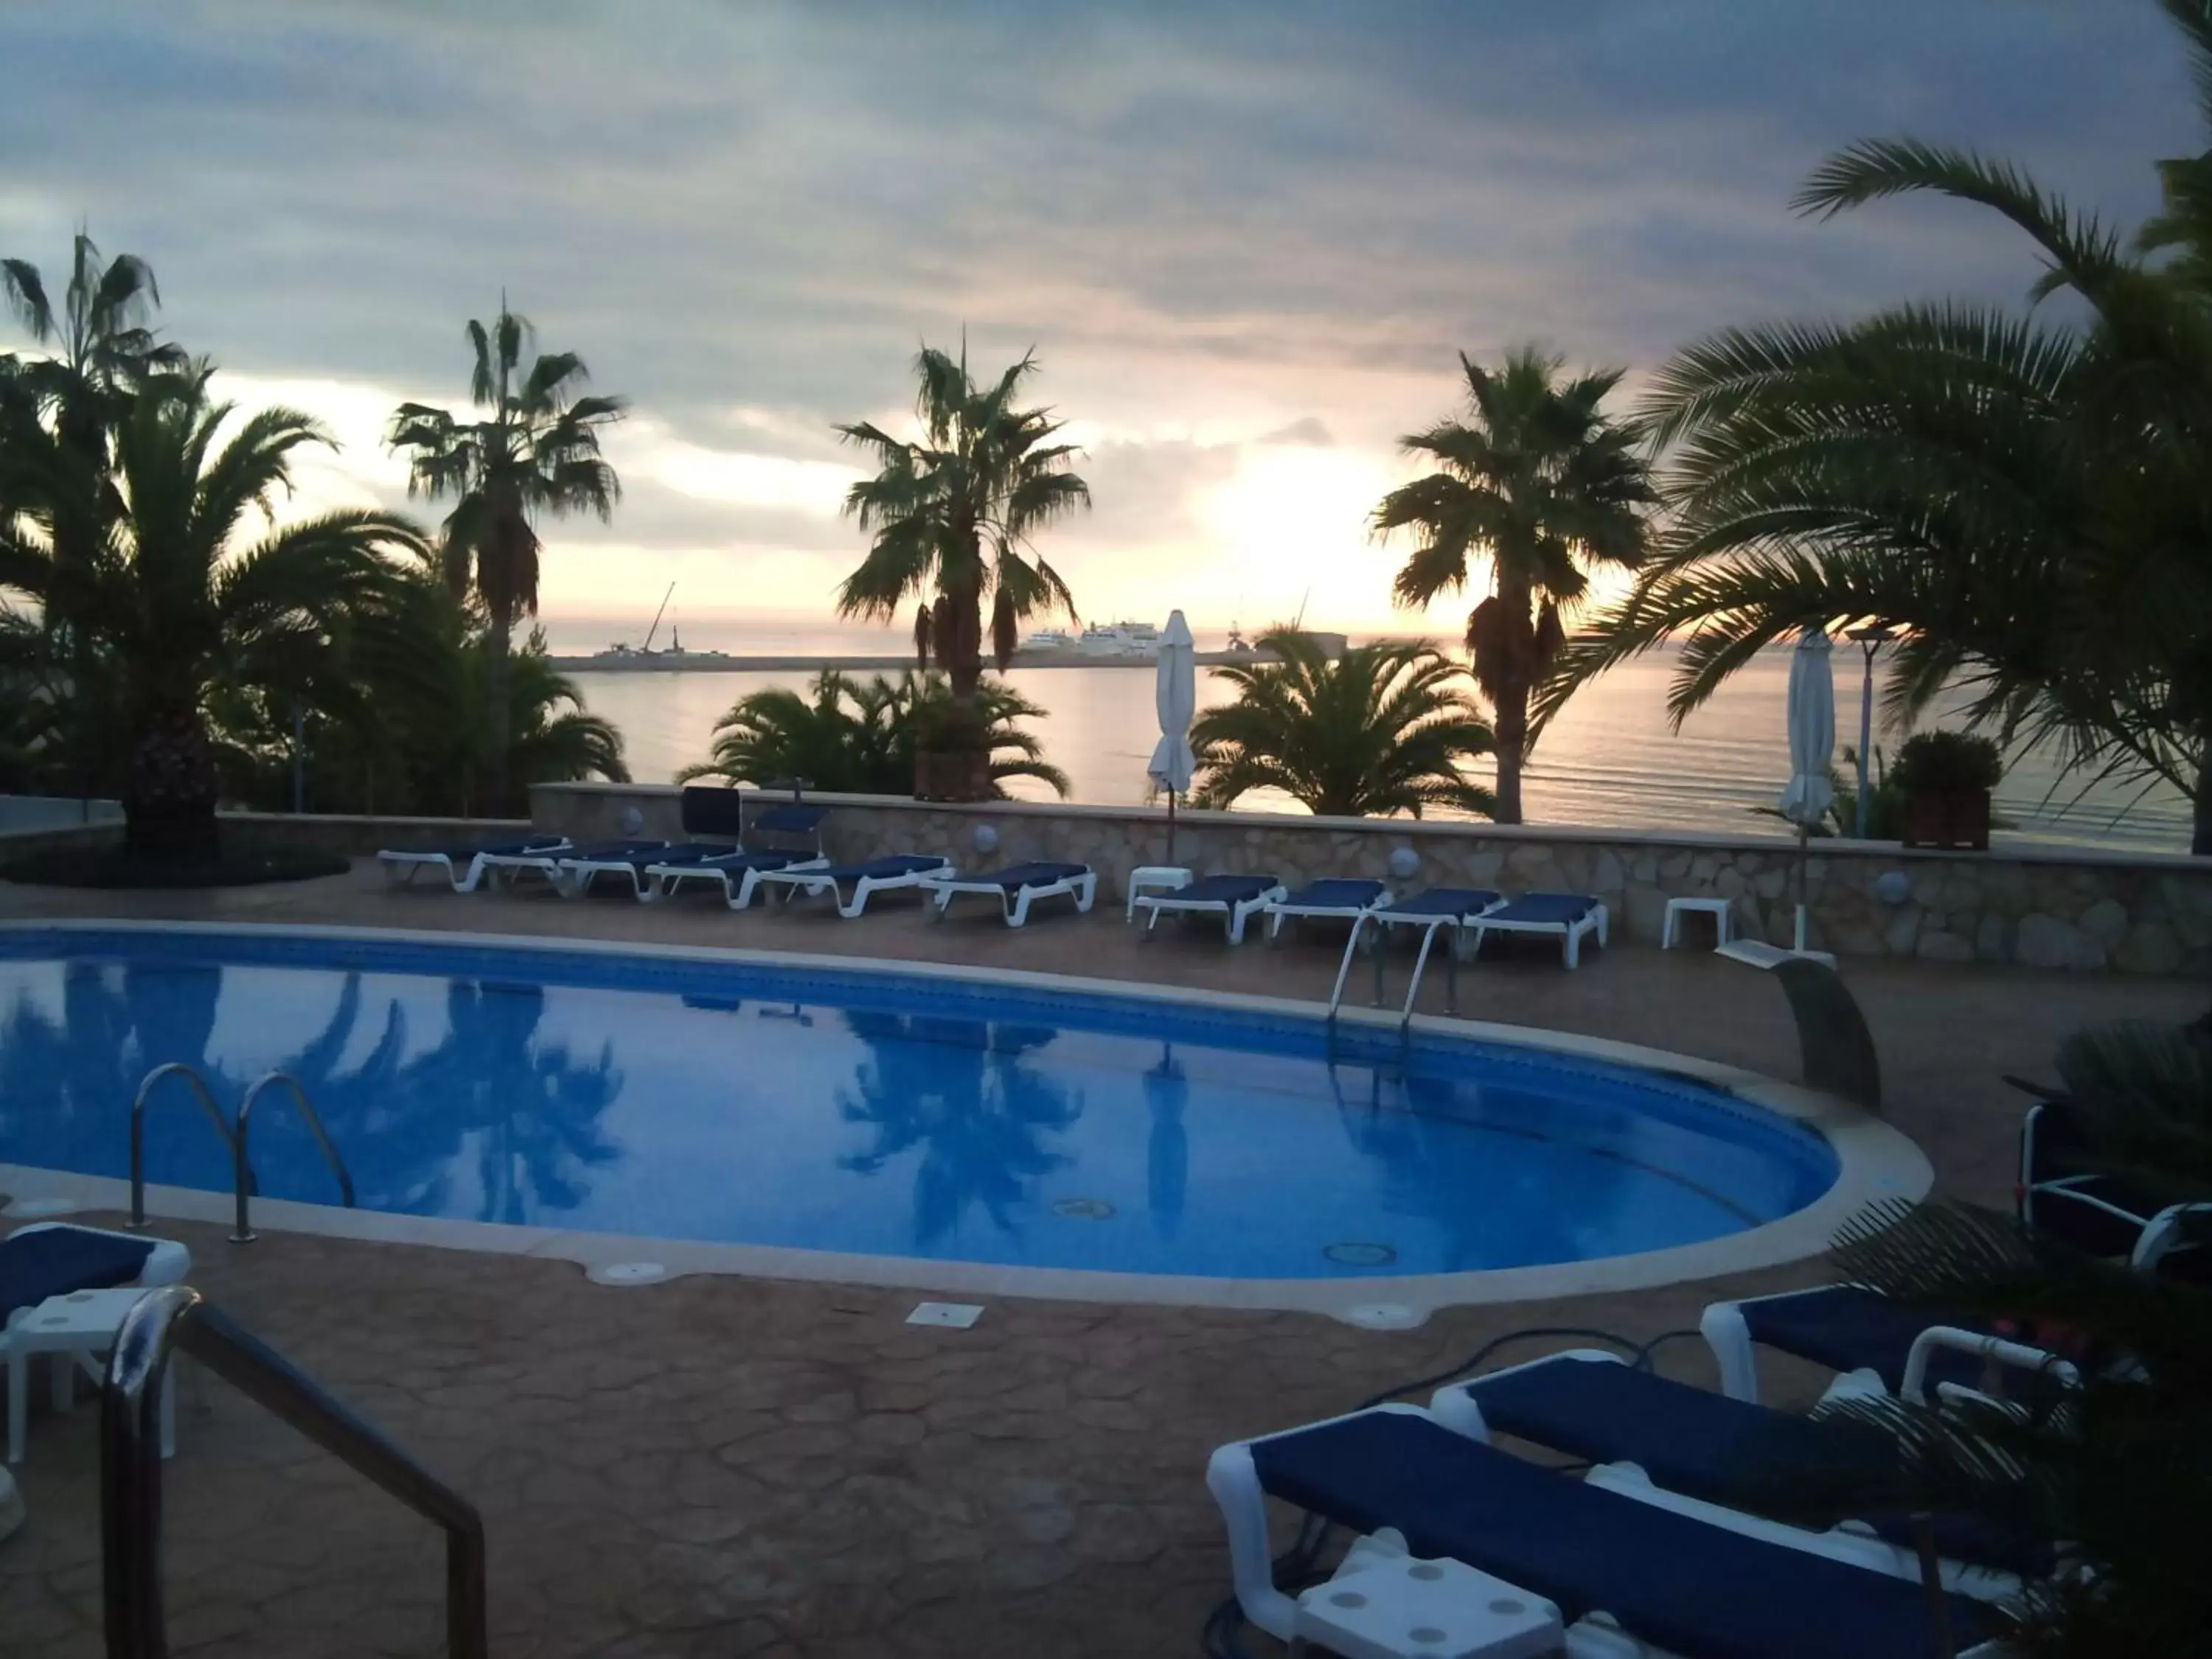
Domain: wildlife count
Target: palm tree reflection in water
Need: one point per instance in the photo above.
(958, 1089)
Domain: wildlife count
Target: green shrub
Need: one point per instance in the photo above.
(1946, 763)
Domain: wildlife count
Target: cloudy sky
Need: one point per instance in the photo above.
(1246, 240)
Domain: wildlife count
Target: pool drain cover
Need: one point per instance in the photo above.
(1384, 1317)
(626, 1272)
(1083, 1209)
(1356, 1252)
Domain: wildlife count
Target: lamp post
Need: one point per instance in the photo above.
(1869, 641)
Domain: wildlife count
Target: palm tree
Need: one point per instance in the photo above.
(176, 604)
(1379, 730)
(858, 737)
(536, 452)
(952, 516)
(2028, 502)
(1541, 484)
(102, 350)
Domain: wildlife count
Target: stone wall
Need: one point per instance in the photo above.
(357, 835)
(2043, 906)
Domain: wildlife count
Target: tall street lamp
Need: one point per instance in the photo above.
(1869, 641)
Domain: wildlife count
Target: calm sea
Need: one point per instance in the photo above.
(1609, 759)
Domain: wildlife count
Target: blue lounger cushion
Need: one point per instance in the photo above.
(55, 1260)
(899, 864)
(608, 852)
(790, 820)
(1015, 876)
(1335, 893)
(502, 849)
(1546, 910)
(1847, 1329)
(1441, 901)
(1218, 890)
(1704, 1444)
(736, 863)
(686, 852)
(1673, 1581)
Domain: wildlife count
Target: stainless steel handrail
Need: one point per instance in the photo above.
(242, 1232)
(1343, 969)
(170, 1068)
(175, 1318)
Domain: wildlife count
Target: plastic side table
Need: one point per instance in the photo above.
(1154, 878)
(1718, 908)
(76, 1329)
(1385, 1606)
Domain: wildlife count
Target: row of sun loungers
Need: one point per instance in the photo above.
(1654, 1548)
(1472, 912)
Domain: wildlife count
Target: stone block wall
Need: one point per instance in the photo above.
(2044, 908)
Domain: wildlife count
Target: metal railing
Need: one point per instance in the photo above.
(175, 1319)
(1421, 967)
(241, 1148)
(172, 1068)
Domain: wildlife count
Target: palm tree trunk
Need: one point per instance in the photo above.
(498, 691)
(169, 797)
(1512, 741)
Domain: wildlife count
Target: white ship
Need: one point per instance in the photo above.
(1121, 639)
(1048, 639)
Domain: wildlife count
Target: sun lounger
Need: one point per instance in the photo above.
(548, 862)
(463, 865)
(1597, 1408)
(1338, 898)
(737, 874)
(577, 871)
(1567, 916)
(1872, 1342)
(1700, 1586)
(1235, 899)
(1438, 906)
(55, 1258)
(2106, 1215)
(1019, 886)
(876, 875)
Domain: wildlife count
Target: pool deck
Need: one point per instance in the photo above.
(735, 1466)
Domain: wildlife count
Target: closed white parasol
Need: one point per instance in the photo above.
(1812, 716)
(1176, 694)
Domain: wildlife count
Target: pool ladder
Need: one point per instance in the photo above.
(237, 1137)
(1412, 985)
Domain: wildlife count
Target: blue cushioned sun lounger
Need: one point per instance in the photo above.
(1566, 916)
(1341, 898)
(1851, 1329)
(463, 865)
(1594, 1406)
(876, 875)
(1235, 899)
(737, 874)
(1019, 886)
(55, 1258)
(1747, 1590)
(548, 863)
(578, 870)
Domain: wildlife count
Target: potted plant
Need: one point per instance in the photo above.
(1946, 778)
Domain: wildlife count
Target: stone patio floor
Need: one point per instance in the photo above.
(733, 1467)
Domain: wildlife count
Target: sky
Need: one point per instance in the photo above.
(1245, 241)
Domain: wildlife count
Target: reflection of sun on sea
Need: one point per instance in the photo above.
(1294, 520)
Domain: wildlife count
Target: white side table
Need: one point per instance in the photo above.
(1382, 1605)
(1718, 908)
(76, 1329)
(1154, 878)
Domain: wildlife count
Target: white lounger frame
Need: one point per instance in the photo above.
(1234, 1480)
(1569, 933)
(1233, 915)
(1014, 902)
(167, 1263)
(1279, 908)
(505, 867)
(463, 881)
(805, 883)
(577, 876)
(1456, 1407)
(737, 887)
(1727, 1333)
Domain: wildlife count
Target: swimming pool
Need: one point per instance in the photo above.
(875, 1111)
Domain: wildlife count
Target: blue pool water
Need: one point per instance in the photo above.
(884, 1113)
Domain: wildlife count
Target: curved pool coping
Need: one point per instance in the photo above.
(1875, 1162)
